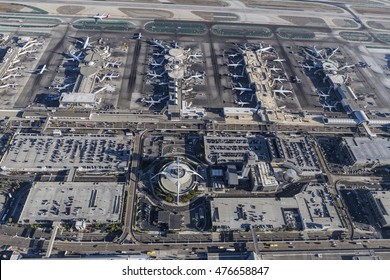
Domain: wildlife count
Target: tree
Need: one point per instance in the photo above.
(169, 198)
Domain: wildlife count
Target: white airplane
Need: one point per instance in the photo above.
(333, 52)
(315, 52)
(39, 71)
(62, 87)
(10, 76)
(100, 17)
(265, 49)
(196, 76)
(195, 55)
(278, 79)
(85, 43)
(74, 57)
(28, 51)
(175, 44)
(13, 85)
(233, 55)
(162, 83)
(155, 64)
(151, 102)
(279, 60)
(108, 76)
(241, 88)
(322, 94)
(163, 52)
(239, 76)
(153, 74)
(157, 43)
(235, 65)
(115, 64)
(346, 66)
(274, 69)
(282, 91)
(241, 103)
(307, 66)
(137, 36)
(14, 68)
(329, 107)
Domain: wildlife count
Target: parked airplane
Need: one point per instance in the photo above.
(151, 101)
(137, 36)
(314, 52)
(13, 85)
(153, 74)
(74, 57)
(235, 65)
(241, 88)
(62, 87)
(278, 79)
(322, 94)
(328, 106)
(100, 17)
(157, 43)
(115, 64)
(307, 66)
(196, 55)
(232, 55)
(108, 76)
(10, 76)
(39, 70)
(155, 64)
(282, 91)
(279, 60)
(163, 52)
(239, 76)
(85, 43)
(265, 49)
(196, 76)
(241, 103)
(274, 69)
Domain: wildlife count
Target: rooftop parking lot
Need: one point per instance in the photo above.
(45, 153)
(94, 202)
(220, 149)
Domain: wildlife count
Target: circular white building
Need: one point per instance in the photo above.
(176, 178)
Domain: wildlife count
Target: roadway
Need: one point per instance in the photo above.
(278, 248)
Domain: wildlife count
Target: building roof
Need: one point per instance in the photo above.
(65, 201)
(163, 217)
(314, 206)
(366, 150)
(237, 111)
(382, 201)
(232, 176)
(172, 220)
(78, 97)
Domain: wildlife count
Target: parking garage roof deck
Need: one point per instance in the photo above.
(65, 201)
(314, 206)
(38, 153)
(366, 150)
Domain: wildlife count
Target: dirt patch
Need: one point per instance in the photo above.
(10, 8)
(182, 2)
(346, 23)
(372, 10)
(142, 13)
(69, 10)
(305, 21)
(209, 16)
(200, 2)
(379, 25)
(291, 6)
